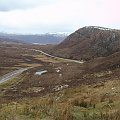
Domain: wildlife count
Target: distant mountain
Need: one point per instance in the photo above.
(36, 39)
(10, 41)
(88, 43)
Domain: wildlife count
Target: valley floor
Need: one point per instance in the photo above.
(66, 91)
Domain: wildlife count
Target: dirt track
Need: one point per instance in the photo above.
(11, 75)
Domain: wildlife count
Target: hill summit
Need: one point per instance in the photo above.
(89, 42)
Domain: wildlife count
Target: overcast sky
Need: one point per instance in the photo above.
(43, 16)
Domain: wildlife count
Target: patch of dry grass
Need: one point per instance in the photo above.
(84, 102)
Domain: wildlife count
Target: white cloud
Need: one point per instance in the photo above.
(59, 15)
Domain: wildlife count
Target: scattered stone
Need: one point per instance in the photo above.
(113, 88)
(60, 87)
(57, 71)
(60, 75)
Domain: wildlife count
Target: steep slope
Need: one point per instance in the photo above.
(88, 43)
(111, 62)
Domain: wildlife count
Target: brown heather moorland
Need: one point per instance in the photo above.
(68, 90)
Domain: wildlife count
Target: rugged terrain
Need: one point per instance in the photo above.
(66, 90)
(88, 43)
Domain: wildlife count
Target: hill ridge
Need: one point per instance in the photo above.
(89, 42)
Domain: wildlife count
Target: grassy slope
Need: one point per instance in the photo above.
(90, 102)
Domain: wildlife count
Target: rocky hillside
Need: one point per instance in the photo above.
(88, 43)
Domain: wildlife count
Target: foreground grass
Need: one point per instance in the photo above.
(87, 102)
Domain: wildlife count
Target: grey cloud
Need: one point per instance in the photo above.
(7, 5)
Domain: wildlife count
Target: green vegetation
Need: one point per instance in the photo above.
(88, 102)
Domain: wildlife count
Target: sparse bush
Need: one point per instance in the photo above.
(110, 101)
(26, 110)
(62, 111)
(81, 103)
(76, 102)
(84, 104)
